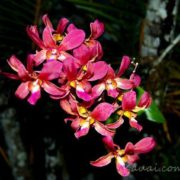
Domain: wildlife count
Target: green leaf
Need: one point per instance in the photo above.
(152, 113)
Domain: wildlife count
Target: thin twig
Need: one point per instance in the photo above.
(167, 50)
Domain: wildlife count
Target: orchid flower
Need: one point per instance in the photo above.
(123, 156)
(112, 83)
(130, 109)
(85, 119)
(78, 78)
(33, 81)
(54, 43)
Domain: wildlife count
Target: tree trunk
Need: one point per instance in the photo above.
(158, 27)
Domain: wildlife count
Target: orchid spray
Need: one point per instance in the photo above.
(68, 66)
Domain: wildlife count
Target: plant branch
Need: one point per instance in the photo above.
(167, 50)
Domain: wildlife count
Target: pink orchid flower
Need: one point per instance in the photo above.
(112, 82)
(97, 29)
(85, 119)
(78, 77)
(33, 81)
(123, 156)
(54, 43)
(130, 109)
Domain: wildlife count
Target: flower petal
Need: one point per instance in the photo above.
(34, 97)
(120, 167)
(116, 124)
(97, 90)
(51, 70)
(47, 38)
(70, 69)
(129, 100)
(102, 129)
(22, 91)
(9, 75)
(82, 54)
(124, 83)
(82, 132)
(40, 57)
(72, 40)
(34, 35)
(62, 25)
(97, 29)
(124, 65)
(145, 145)
(99, 69)
(82, 94)
(53, 90)
(136, 79)
(102, 111)
(109, 143)
(133, 123)
(113, 93)
(47, 21)
(102, 161)
(30, 63)
(145, 100)
(18, 66)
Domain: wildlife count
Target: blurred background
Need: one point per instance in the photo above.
(36, 144)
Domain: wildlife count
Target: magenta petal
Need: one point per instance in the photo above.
(53, 90)
(136, 79)
(82, 132)
(82, 94)
(120, 167)
(97, 29)
(22, 91)
(100, 69)
(145, 100)
(113, 93)
(71, 27)
(51, 70)
(70, 69)
(97, 90)
(82, 54)
(129, 149)
(40, 57)
(47, 38)
(124, 65)
(102, 161)
(62, 25)
(108, 142)
(132, 158)
(103, 130)
(72, 40)
(133, 123)
(116, 124)
(124, 83)
(33, 34)
(75, 125)
(18, 66)
(34, 97)
(129, 100)
(46, 21)
(30, 63)
(102, 111)
(145, 145)
(11, 76)
(66, 106)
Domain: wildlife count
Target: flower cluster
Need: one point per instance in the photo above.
(68, 66)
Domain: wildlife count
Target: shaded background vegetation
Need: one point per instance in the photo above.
(51, 148)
